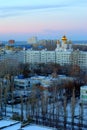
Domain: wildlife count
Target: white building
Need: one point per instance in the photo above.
(32, 56)
(47, 56)
(16, 56)
(63, 54)
(42, 80)
(22, 83)
(82, 60)
(63, 57)
(83, 94)
(60, 55)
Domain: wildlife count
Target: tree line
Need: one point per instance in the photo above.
(50, 110)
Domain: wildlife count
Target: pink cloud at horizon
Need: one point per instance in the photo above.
(47, 19)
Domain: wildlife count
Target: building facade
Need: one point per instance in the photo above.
(63, 54)
(83, 94)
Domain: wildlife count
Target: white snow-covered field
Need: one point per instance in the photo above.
(18, 126)
(77, 117)
(6, 122)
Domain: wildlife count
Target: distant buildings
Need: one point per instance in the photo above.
(63, 54)
(83, 94)
(42, 82)
(32, 40)
(11, 41)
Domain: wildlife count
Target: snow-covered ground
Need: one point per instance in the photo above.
(14, 125)
(78, 119)
(6, 122)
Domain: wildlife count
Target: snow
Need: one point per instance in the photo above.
(6, 122)
(36, 127)
(77, 116)
(14, 127)
(18, 126)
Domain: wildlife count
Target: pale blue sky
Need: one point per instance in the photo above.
(21, 19)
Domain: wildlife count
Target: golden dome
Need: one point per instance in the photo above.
(64, 38)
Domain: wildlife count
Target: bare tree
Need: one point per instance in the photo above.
(65, 111)
(81, 111)
(1, 98)
(22, 115)
(73, 107)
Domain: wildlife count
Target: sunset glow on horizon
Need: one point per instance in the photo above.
(21, 19)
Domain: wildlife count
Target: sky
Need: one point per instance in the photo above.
(46, 19)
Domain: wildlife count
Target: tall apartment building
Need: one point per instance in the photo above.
(60, 55)
(47, 56)
(32, 56)
(63, 54)
(16, 56)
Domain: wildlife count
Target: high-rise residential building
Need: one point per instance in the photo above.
(63, 54)
(60, 55)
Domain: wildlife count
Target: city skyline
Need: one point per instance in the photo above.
(21, 19)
